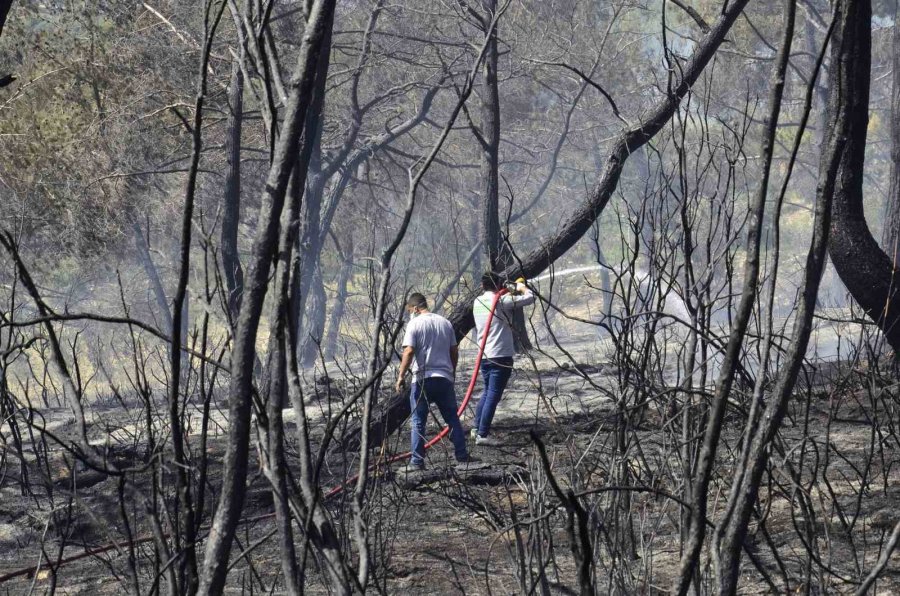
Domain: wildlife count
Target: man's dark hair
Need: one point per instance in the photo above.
(491, 281)
(417, 300)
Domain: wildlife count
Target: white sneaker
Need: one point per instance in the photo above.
(487, 441)
(412, 468)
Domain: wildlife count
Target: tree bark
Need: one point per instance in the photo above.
(340, 299)
(495, 248)
(146, 259)
(234, 473)
(891, 235)
(490, 150)
(308, 245)
(276, 389)
(314, 327)
(5, 7)
(865, 269)
(231, 207)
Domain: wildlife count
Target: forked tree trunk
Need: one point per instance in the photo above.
(185, 533)
(865, 269)
(256, 284)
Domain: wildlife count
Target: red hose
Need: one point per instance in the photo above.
(462, 407)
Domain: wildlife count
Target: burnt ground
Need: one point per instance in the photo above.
(488, 528)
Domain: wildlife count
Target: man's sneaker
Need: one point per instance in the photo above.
(470, 464)
(412, 467)
(487, 441)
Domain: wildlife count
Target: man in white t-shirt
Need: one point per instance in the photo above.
(429, 345)
(497, 362)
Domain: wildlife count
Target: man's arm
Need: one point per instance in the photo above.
(454, 356)
(522, 297)
(405, 360)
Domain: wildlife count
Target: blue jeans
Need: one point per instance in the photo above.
(439, 391)
(496, 373)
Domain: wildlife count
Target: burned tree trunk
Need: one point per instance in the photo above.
(308, 241)
(185, 540)
(340, 300)
(5, 7)
(146, 259)
(314, 321)
(231, 207)
(891, 235)
(495, 248)
(231, 499)
(865, 269)
(490, 150)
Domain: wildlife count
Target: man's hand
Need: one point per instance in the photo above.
(405, 361)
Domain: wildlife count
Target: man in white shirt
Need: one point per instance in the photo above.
(497, 361)
(429, 345)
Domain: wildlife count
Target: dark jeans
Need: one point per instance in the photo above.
(496, 373)
(438, 391)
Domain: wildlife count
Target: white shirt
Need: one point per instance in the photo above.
(500, 338)
(431, 336)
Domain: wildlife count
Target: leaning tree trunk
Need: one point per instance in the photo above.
(891, 235)
(865, 269)
(584, 217)
(231, 207)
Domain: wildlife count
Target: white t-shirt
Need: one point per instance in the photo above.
(500, 338)
(431, 336)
